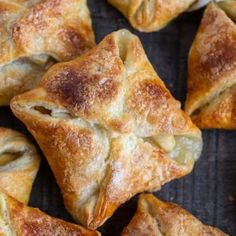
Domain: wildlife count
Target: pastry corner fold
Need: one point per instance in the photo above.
(211, 100)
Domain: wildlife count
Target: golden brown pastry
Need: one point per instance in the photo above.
(151, 15)
(36, 33)
(156, 218)
(19, 164)
(17, 219)
(229, 6)
(211, 100)
(109, 128)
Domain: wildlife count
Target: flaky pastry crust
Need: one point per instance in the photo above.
(34, 34)
(19, 164)
(151, 15)
(211, 100)
(109, 128)
(156, 218)
(17, 219)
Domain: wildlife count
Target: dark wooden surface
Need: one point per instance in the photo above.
(210, 191)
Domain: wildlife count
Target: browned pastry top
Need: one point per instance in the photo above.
(19, 219)
(117, 87)
(59, 28)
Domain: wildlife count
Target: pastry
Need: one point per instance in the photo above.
(109, 128)
(211, 99)
(34, 34)
(19, 219)
(19, 164)
(156, 218)
(229, 6)
(151, 15)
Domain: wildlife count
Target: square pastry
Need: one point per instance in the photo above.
(109, 128)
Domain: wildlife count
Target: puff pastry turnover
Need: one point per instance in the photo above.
(211, 100)
(19, 219)
(36, 33)
(151, 15)
(156, 218)
(19, 164)
(109, 128)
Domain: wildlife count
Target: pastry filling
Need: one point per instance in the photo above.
(43, 110)
(182, 149)
(6, 158)
(55, 113)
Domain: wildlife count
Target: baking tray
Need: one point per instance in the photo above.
(209, 192)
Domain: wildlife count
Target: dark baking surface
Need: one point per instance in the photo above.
(210, 191)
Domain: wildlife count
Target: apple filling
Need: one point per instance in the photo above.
(183, 149)
(8, 157)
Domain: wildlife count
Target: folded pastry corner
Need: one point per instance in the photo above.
(151, 15)
(19, 164)
(19, 219)
(34, 34)
(211, 100)
(109, 128)
(155, 217)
